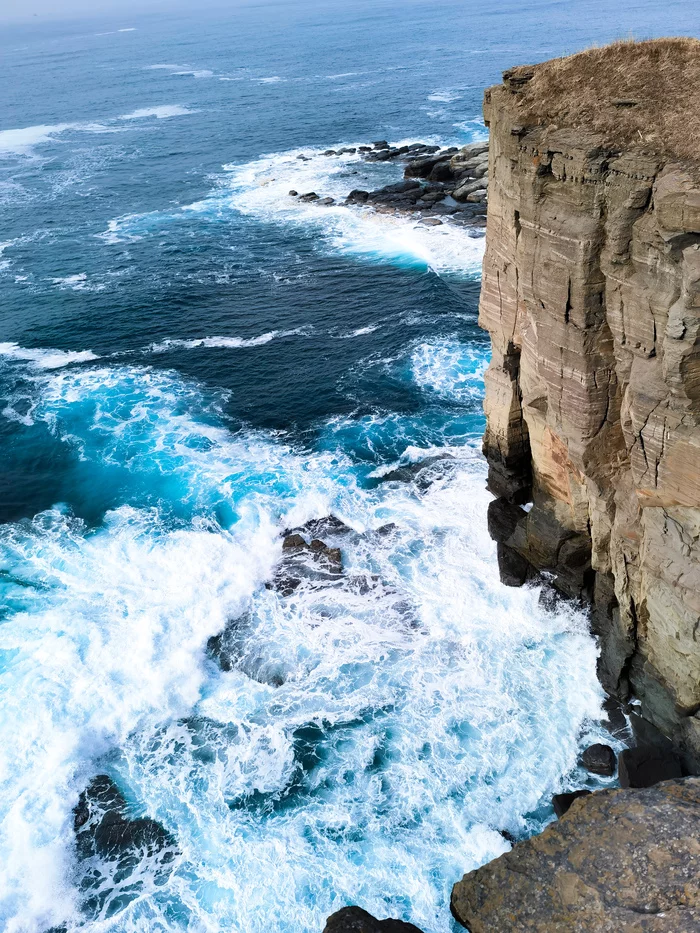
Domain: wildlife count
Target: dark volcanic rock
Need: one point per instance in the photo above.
(309, 196)
(513, 569)
(323, 527)
(380, 144)
(599, 759)
(645, 766)
(423, 472)
(441, 172)
(357, 920)
(112, 846)
(313, 561)
(562, 802)
(357, 196)
(620, 861)
(421, 168)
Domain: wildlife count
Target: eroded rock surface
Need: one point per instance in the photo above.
(591, 295)
(619, 861)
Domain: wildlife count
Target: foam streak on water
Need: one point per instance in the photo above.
(374, 734)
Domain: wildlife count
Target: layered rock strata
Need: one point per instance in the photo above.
(591, 295)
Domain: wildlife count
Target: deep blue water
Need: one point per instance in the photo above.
(191, 362)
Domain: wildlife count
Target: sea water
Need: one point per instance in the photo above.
(192, 362)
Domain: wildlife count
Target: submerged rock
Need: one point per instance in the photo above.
(112, 846)
(313, 561)
(619, 860)
(357, 920)
(423, 472)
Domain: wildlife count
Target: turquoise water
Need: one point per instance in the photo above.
(191, 363)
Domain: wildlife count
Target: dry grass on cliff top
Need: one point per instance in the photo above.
(647, 92)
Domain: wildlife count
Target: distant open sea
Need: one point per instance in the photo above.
(191, 361)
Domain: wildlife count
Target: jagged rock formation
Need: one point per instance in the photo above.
(591, 295)
(619, 860)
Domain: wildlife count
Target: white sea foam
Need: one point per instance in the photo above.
(198, 73)
(230, 343)
(275, 79)
(163, 112)
(360, 331)
(45, 358)
(450, 369)
(23, 141)
(444, 97)
(414, 718)
(261, 189)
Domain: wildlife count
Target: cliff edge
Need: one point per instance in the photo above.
(591, 295)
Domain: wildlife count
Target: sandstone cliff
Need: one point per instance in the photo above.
(591, 295)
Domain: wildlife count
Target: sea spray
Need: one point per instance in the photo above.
(374, 732)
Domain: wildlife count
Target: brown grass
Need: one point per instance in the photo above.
(648, 92)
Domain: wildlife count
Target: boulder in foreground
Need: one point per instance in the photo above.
(357, 920)
(620, 861)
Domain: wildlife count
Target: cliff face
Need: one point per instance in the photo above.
(591, 295)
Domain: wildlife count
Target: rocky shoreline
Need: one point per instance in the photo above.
(441, 184)
(590, 295)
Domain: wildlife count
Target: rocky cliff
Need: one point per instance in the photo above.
(619, 860)
(591, 295)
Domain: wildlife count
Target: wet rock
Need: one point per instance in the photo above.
(357, 196)
(309, 196)
(623, 861)
(330, 525)
(112, 846)
(431, 221)
(364, 148)
(562, 802)
(423, 472)
(421, 168)
(442, 171)
(464, 189)
(357, 920)
(313, 561)
(476, 197)
(646, 765)
(513, 568)
(380, 144)
(599, 759)
(293, 193)
(326, 202)
(387, 529)
(330, 152)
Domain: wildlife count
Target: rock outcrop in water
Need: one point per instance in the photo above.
(115, 851)
(357, 920)
(618, 860)
(439, 184)
(591, 295)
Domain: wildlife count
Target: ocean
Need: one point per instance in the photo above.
(192, 363)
